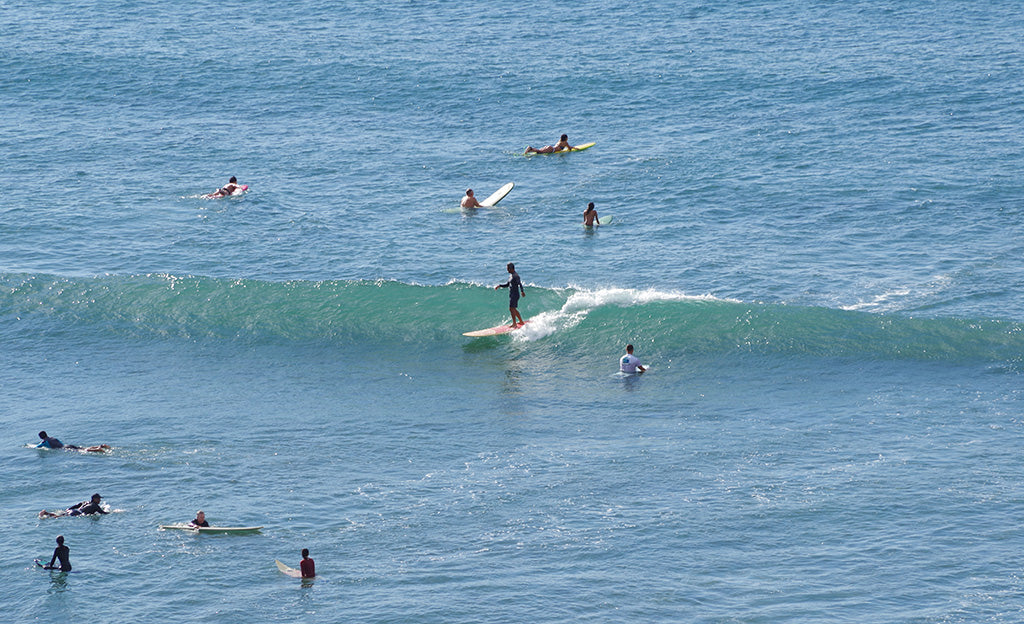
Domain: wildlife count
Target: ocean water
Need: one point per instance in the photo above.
(817, 247)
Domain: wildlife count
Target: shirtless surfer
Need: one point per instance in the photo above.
(563, 144)
(225, 190)
(590, 216)
(469, 201)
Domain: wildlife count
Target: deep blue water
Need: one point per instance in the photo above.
(817, 247)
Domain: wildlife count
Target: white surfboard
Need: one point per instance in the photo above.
(211, 529)
(605, 220)
(497, 195)
(292, 572)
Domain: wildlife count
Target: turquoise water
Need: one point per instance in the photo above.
(817, 248)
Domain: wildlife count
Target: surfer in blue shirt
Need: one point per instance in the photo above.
(563, 144)
(630, 363)
(51, 442)
(62, 553)
(515, 286)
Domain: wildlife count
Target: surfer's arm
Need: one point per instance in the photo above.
(505, 285)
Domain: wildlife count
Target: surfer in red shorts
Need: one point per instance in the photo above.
(307, 566)
(563, 144)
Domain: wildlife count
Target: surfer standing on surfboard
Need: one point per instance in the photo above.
(515, 286)
(469, 201)
(563, 144)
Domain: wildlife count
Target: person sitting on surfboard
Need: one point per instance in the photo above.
(630, 363)
(469, 201)
(84, 508)
(60, 552)
(307, 565)
(53, 443)
(590, 216)
(225, 190)
(563, 144)
(515, 286)
(200, 520)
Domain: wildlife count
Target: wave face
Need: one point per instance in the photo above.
(382, 312)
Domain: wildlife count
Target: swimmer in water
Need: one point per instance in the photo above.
(469, 201)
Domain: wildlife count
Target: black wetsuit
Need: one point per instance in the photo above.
(61, 552)
(204, 523)
(515, 286)
(85, 508)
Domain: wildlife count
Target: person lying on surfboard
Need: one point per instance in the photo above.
(469, 201)
(84, 508)
(590, 216)
(515, 286)
(51, 442)
(563, 144)
(225, 190)
(200, 520)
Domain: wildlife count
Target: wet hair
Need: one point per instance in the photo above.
(305, 552)
(629, 348)
(511, 267)
(232, 180)
(565, 137)
(590, 206)
(60, 540)
(469, 191)
(95, 496)
(42, 434)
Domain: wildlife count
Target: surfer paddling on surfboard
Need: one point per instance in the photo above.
(563, 144)
(469, 201)
(84, 508)
(51, 442)
(515, 286)
(230, 188)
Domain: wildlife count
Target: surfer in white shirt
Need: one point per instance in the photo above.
(630, 363)
(469, 201)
